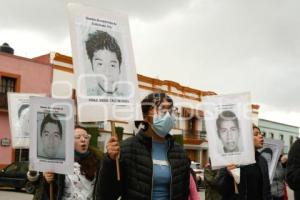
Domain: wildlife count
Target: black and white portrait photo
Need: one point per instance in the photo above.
(105, 57)
(271, 151)
(51, 137)
(104, 66)
(267, 153)
(19, 109)
(229, 129)
(23, 122)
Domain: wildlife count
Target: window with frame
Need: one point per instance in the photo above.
(22, 154)
(203, 128)
(191, 125)
(7, 84)
(281, 137)
(291, 140)
(177, 117)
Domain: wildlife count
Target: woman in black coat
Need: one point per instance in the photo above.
(254, 178)
(152, 165)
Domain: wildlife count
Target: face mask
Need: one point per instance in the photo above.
(163, 124)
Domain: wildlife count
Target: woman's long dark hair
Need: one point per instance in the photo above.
(88, 167)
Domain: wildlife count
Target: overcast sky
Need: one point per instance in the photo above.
(227, 46)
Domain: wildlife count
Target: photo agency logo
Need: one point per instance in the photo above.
(182, 111)
(61, 110)
(101, 86)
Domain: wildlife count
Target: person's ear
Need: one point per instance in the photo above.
(147, 118)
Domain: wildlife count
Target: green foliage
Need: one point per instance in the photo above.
(119, 132)
(94, 132)
(178, 139)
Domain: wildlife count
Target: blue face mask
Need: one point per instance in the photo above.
(163, 124)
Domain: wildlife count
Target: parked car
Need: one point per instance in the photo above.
(15, 175)
(199, 174)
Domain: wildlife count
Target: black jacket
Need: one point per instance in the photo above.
(293, 169)
(226, 182)
(136, 171)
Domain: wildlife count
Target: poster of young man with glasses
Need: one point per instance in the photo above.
(229, 129)
(52, 138)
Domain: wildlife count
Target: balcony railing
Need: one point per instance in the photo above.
(3, 100)
(194, 135)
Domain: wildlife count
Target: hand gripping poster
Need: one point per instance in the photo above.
(18, 109)
(229, 129)
(52, 138)
(104, 65)
(271, 151)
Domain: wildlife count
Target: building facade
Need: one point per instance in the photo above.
(18, 74)
(274, 130)
(53, 74)
(189, 124)
(188, 102)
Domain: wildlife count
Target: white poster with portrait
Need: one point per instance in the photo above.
(229, 129)
(271, 151)
(106, 79)
(52, 138)
(18, 110)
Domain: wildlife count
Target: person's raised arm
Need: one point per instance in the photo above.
(107, 186)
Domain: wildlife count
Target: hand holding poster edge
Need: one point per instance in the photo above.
(114, 134)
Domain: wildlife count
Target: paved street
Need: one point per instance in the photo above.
(202, 194)
(9, 194)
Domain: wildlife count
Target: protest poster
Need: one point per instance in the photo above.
(104, 65)
(271, 151)
(18, 109)
(229, 129)
(52, 138)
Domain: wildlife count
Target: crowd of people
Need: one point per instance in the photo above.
(153, 166)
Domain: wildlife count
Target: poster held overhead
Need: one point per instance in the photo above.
(229, 129)
(103, 61)
(18, 109)
(52, 138)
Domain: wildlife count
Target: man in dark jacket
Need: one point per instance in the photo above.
(293, 169)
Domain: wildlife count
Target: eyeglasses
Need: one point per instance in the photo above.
(87, 137)
(163, 109)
